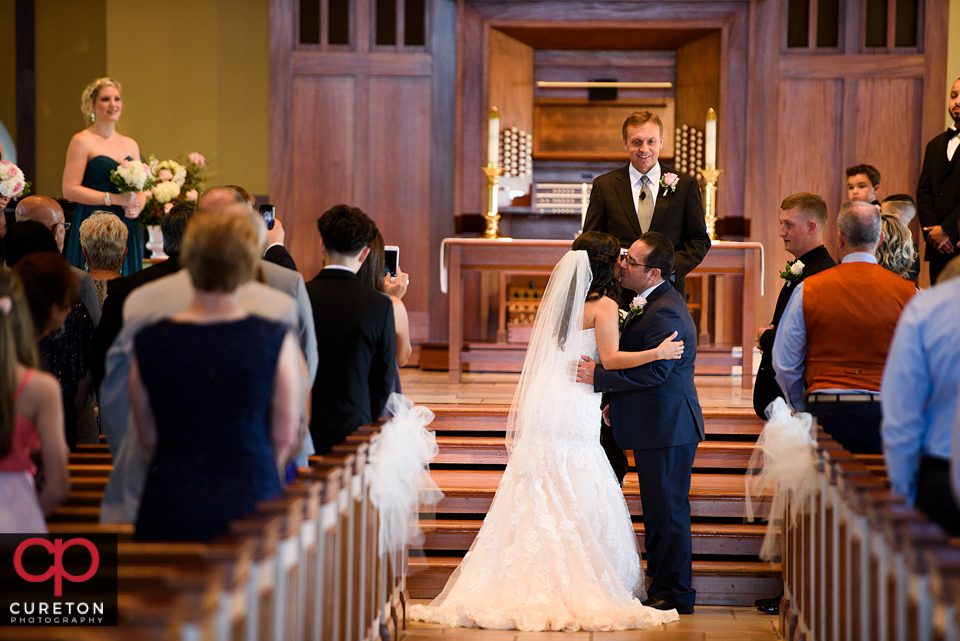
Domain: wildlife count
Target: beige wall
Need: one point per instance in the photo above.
(195, 77)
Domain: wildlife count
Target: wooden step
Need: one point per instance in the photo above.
(716, 582)
(90, 458)
(711, 495)
(476, 450)
(493, 418)
(76, 514)
(708, 538)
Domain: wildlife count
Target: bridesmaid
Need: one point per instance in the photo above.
(92, 155)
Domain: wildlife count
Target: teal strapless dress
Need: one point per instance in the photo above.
(97, 176)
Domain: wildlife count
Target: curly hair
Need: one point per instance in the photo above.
(103, 237)
(604, 252)
(896, 251)
(90, 94)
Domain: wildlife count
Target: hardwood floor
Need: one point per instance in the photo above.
(709, 623)
(483, 388)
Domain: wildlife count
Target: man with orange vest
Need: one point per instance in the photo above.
(832, 341)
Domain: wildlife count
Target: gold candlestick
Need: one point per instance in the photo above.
(492, 218)
(710, 176)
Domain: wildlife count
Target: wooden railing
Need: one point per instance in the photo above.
(860, 564)
(304, 566)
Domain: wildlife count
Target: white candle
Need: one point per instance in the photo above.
(493, 137)
(711, 144)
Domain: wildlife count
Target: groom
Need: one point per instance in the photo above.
(654, 410)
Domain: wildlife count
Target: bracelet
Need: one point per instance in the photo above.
(106, 198)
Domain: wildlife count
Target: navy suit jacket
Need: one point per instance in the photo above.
(678, 215)
(655, 405)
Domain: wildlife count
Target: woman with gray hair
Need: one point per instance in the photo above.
(103, 239)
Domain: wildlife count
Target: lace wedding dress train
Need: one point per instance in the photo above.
(557, 550)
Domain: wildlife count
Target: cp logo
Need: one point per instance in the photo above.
(56, 570)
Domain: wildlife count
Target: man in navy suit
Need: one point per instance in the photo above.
(654, 410)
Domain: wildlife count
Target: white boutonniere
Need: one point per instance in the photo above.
(793, 271)
(668, 182)
(623, 315)
(637, 305)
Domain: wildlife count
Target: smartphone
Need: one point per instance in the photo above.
(391, 259)
(269, 212)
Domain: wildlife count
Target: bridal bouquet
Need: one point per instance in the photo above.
(176, 182)
(12, 182)
(132, 176)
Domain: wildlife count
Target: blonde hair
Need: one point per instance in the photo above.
(18, 344)
(896, 251)
(90, 94)
(221, 249)
(103, 237)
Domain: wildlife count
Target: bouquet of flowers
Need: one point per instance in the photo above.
(176, 182)
(132, 176)
(12, 182)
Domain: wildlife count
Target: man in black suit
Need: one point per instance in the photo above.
(938, 193)
(355, 332)
(803, 217)
(640, 197)
(654, 410)
(173, 225)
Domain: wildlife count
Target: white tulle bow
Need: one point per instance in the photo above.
(400, 480)
(786, 458)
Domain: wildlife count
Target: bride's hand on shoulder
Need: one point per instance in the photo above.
(670, 349)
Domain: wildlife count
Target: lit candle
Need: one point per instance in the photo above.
(711, 144)
(493, 137)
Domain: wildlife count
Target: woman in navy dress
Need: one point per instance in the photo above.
(94, 153)
(215, 392)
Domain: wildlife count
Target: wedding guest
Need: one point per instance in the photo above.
(938, 192)
(103, 238)
(355, 331)
(173, 224)
(31, 418)
(49, 213)
(92, 155)
(25, 238)
(218, 422)
(863, 184)
(896, 251)
(275, 252)
(372, 273)
(843, 315)
(903, 207)
(803, 217)
(919, 401)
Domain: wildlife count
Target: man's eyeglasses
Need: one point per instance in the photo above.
(629, 261)
(65, 224)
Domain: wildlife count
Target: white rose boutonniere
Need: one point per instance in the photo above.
(637, 305)
(669, 182)
(793, 271)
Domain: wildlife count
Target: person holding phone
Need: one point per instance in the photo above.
(381, 271)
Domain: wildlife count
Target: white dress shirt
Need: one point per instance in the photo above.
(790, 346)
(952, 145)
(636, 185)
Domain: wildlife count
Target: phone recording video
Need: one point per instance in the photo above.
(391, 259)
(269, 213)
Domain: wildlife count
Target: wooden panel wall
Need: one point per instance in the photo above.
(698, 80)
(624, 66)
(511, 81)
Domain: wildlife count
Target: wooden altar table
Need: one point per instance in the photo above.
(459, 255)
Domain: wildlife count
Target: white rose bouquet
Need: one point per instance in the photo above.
(793, 271)
(12, 182)
(132, 176)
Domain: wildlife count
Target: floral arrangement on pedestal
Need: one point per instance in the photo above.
(176, 182)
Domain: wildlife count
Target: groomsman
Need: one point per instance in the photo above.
(803, 217)
(938, 193)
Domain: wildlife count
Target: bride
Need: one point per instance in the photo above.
(557, 550)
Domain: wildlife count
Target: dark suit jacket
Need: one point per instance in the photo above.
(112, 319)
(766, 389)
(357, 341)
(677, 215)
(938, 196)
(278, 255)
(655, 405)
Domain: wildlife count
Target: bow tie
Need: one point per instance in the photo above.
(952, 133)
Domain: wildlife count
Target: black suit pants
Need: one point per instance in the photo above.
(665, 496)
(934, 496)
(856, 426)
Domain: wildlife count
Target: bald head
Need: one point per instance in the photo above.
(859, 226)
(218, 197)
(46, 211)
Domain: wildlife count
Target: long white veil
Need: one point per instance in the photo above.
(549, 368)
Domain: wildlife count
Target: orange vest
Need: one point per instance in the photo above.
(850, 312)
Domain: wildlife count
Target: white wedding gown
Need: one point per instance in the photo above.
(557, 550)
